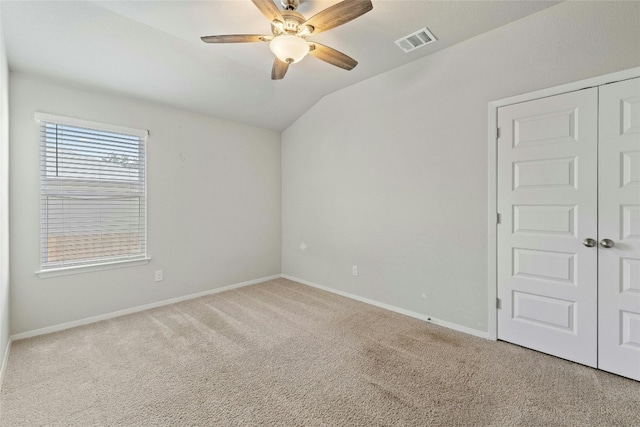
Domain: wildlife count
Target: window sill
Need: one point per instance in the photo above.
(79, 269)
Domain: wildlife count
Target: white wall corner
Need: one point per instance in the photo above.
(4, 202)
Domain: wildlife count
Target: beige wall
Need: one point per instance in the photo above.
(391, 174)
(4, 199)
(213, 206)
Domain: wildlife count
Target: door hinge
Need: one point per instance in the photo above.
(498, 218)
(497, 133)
(498, 303)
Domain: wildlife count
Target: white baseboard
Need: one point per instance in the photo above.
(5, 359)
(93, 319)
(454, 326)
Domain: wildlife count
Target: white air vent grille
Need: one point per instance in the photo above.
(415, 40)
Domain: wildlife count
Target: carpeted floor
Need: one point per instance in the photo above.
(281, 353)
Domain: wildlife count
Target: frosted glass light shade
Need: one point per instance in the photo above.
(289, 48)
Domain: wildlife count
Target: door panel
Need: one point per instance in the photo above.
(547, 198)
(545, 173)
(619, 220)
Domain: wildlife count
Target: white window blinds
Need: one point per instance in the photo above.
(92, 192)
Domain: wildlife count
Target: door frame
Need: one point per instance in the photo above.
(492, 241)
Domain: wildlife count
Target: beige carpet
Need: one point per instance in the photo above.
(281, 353)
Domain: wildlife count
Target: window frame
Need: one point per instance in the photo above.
(109, 263)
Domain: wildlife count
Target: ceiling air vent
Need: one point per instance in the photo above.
(415, 40)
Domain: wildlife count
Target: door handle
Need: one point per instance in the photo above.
(606, 243)
(589, 242)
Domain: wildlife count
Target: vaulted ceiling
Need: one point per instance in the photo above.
(152, 49)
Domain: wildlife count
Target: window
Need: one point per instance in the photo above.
(92, 193)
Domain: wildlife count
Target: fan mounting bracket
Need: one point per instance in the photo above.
(290, 4)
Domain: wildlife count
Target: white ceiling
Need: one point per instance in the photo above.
(152, 49)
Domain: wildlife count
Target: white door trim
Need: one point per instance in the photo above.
(492, 245)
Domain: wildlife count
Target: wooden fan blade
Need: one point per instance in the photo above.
(279, 69)
(269, 9)
(332, 56)
(338, 14)
(236, 38)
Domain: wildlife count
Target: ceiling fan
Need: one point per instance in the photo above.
(290, 30)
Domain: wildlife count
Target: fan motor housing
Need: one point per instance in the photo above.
(292, 22)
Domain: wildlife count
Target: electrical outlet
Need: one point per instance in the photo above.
(354, 270)
(159, 277)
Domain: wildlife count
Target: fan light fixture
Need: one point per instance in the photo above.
(289, 48)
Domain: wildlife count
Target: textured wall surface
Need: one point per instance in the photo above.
(391, 174)
(4, 199)
(213, 206)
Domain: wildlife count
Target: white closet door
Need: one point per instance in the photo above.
(619, 221)
(547, 199)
